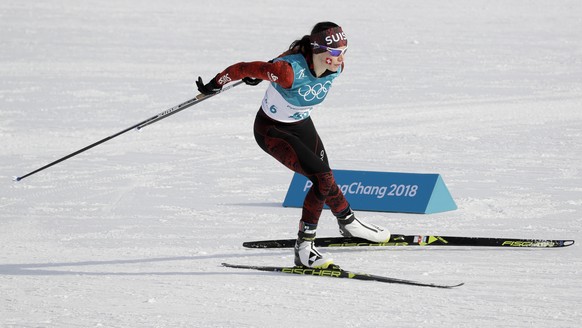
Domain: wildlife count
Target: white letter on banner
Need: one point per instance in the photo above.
(343, 189)
(308, 185)
(382, 192)
(360, 189)
(354, 184)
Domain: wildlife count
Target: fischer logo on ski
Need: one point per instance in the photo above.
(312, 272)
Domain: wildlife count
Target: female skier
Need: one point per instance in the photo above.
(300, 79)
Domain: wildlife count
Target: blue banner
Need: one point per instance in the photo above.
(382, 191)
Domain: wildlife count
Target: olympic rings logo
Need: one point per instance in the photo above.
(316, 91)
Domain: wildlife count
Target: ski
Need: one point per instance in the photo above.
(336, 272)
(417, 240)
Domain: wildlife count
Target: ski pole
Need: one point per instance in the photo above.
(178, 108)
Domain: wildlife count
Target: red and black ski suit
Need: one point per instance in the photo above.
(296, 145)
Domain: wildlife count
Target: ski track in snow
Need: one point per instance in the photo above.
(132, 233)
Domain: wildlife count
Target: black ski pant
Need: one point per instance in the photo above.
(299, 148)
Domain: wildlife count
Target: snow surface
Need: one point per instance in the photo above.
(488, 93)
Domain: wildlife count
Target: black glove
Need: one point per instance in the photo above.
(208, 89)
(251, 80)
